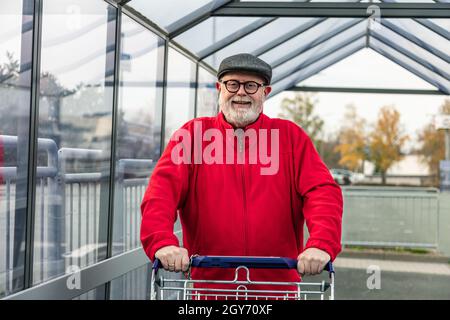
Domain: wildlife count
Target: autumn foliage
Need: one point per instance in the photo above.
(352, 140)
(386, 141)
(432, 142)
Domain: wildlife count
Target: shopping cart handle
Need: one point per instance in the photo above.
(249, 262)
(156, 265)
(329, 267)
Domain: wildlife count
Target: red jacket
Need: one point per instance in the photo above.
(233, 210)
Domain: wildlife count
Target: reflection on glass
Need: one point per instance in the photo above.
(75, 117)
(180, 92)
(16, 21)
(206, 94)
(138, 128)
(134, 285)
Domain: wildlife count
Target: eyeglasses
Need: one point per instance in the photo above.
(250, 87)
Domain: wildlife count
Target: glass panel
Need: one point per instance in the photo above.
(180, 92)
(274, 0)
(212, 31)
(135, 285)
(443, 23)
(415, 1)
(355, 72)
(422, 33)
(75, 117)
(95, 294)
(319, 51)
(347, 0)
(412, 50)
(16, 35)
(410, 1)
(305, 39)
(411, 65)
(206, 94)
(165, 13)
(316, 67)
(138, 128)
(252, 42)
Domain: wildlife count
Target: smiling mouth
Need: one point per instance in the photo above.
(241, 104)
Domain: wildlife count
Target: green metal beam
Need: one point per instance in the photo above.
(333, 9)
(365, 90)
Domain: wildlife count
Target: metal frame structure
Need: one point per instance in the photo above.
(332, 9)
(90, 277)
(364, 90)
(33, 144)
(234, 37)
(105, 271)
(111, 193)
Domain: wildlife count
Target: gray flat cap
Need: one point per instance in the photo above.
(247, 63)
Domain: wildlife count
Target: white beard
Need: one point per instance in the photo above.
(240, 117)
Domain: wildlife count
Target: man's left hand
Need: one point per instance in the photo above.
(312, 261)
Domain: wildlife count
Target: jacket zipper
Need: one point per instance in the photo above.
(241, 149)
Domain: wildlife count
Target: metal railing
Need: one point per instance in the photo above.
(391, 217)
(69, 210)
(45, 181)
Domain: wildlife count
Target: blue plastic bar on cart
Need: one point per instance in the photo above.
(249, 262)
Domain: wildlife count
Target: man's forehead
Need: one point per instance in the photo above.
(243, 76)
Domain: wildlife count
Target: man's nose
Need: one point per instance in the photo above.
(241, 91)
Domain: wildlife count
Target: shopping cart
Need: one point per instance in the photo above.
(163, 288)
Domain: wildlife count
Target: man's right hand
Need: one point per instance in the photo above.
(173, 258)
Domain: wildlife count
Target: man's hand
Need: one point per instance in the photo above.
(312, 261)
(173, 258)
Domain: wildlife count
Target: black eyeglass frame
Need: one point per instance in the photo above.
(258, 85)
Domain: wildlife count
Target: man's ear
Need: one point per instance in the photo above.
(218, 86)
(267, 90)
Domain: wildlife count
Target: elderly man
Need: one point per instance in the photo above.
(231, 208)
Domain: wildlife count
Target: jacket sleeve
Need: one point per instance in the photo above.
(165, 193)
(321, 197)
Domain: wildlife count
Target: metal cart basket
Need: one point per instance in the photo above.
(163, 288)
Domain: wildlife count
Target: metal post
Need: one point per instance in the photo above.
(27, 149)
(108, 185)
(164, 98)
(197, 84)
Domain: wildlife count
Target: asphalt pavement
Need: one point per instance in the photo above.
(375, 279)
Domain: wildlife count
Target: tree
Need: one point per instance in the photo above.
(432, 142)
(386, 141)
(9, 71)
(352, 140)
(327, 151)
(300, 110)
